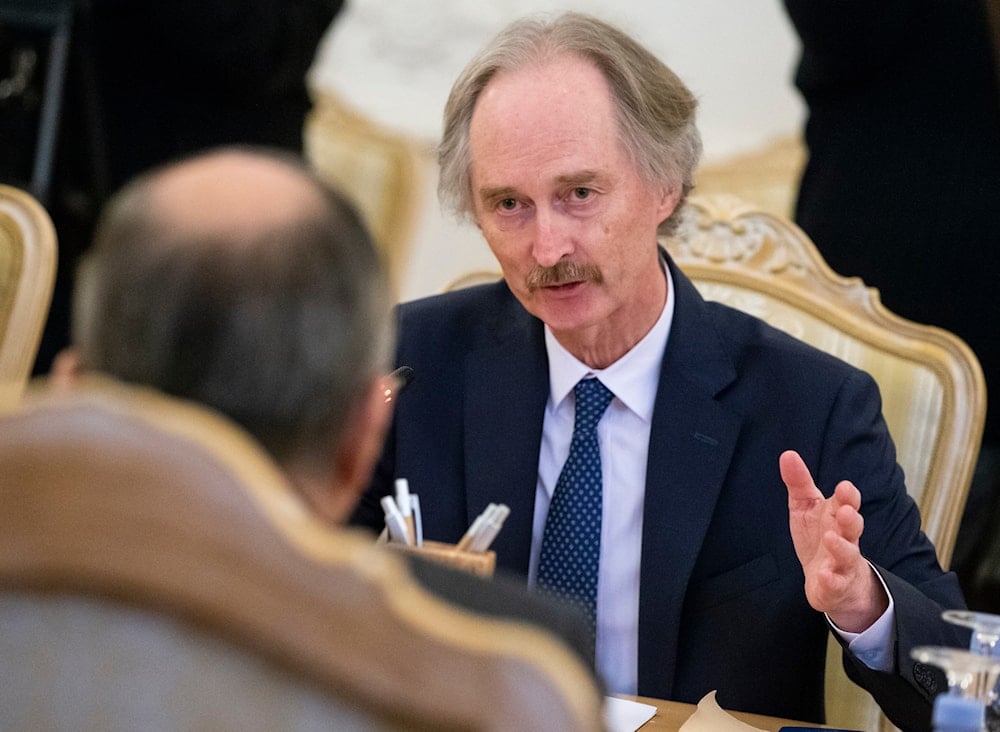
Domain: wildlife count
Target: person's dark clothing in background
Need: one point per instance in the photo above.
(148, 82)
(902, 186)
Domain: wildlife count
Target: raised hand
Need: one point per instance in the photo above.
(825, 532)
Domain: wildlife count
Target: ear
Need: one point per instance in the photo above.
(66, 370)
(358, 449)
(668, 200)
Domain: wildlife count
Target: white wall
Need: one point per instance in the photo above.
(395, 61)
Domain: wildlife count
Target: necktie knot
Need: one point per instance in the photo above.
(592, 398)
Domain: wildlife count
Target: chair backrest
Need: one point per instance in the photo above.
(767, 176)
(375, 167)
(933, 392)
(158, 572)
(932, 387)
(27, 276)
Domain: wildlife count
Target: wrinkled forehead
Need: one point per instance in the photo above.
(564, 83)
(551, 118)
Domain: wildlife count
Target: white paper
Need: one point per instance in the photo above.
(710, 717)
(624, 715)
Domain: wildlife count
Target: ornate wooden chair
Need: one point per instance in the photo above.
(157, 572)
(376, 167)
(933, 392)
(27, 276)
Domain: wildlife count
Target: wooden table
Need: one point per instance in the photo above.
(670, 715)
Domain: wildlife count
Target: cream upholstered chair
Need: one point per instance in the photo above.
(375, 167)
(27, 275)
(932, 386)
(767, 177)
(157, 572)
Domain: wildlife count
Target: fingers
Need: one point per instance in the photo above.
(846, 494)
(849, 524)
(846, 506)
(796, 477)
(801, 487)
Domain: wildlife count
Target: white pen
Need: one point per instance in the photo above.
(469, 535)
(418, 520)
(404, 505)
(490, 528)
(394, 520)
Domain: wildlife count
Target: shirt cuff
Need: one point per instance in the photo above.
(873, 647)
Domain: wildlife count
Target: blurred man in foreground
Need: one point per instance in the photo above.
(239, 280)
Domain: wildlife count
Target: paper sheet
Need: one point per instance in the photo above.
(710, 717)
(624, 715)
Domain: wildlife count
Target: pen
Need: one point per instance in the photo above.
(405, 506)
(394, 520)
(466, 540)
(418, 520)
(490, 528)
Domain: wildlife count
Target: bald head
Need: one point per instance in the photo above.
(240, 280)
(232, 193)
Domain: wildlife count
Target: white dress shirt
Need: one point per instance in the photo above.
(623, 436)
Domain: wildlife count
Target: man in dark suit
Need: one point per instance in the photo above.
(239, 280)
(571, 146)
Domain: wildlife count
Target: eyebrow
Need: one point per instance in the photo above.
(496, 193)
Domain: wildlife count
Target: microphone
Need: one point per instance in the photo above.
(397, 380)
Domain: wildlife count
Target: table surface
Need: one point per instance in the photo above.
(671, 715)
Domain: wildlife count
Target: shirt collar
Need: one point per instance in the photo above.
(632, 379)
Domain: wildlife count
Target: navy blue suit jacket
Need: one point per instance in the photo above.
(721, 601)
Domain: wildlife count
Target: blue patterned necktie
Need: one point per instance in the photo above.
(571, 542)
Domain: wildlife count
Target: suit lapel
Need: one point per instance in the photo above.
(692, 440)
(507, 386)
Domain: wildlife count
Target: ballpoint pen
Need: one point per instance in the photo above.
(489, 529)
(466, 540)
(394, 520)
(418, 520)
(405, 506)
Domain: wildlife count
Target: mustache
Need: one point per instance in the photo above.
(561, 273)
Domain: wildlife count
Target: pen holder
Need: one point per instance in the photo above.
(479, 563)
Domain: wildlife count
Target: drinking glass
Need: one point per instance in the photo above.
(965, 672)
(985, 642)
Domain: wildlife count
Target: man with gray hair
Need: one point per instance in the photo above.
(652, 446)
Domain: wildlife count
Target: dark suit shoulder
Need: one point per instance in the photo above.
(763, 350)
(716, 345)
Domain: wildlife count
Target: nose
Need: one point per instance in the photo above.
(551, 240)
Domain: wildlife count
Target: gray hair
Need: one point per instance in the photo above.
(281, 330)
(656, 111)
